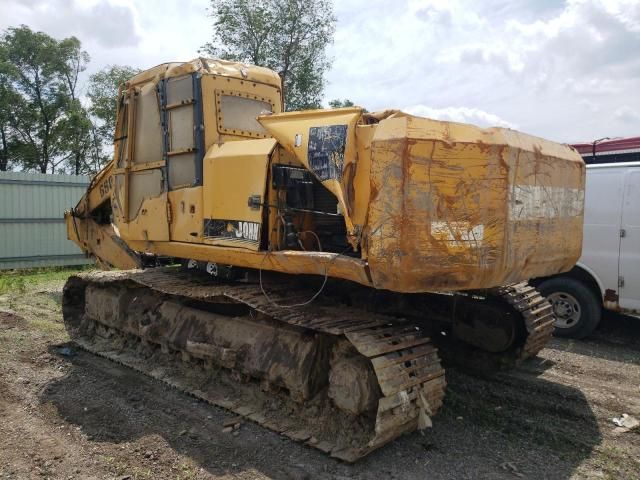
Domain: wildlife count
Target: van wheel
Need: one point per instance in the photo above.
(576, 307)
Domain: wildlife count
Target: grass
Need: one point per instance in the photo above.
(12, 284)
(35, 296)
(47, 326)
(19, 281)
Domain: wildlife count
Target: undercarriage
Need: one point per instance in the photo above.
(332, 374)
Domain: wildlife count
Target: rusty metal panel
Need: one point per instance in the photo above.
(457, 207)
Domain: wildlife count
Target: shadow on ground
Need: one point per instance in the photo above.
(619, 329)
(507, 425)
(617, 338)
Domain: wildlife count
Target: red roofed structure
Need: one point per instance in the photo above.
(613, 150)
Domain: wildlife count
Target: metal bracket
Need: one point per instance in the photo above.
(254, 202)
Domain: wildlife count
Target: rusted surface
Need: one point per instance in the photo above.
(102, 241)
(455, 207)
(386, 380)
(611, 296)
(420, 205)
(611, 301)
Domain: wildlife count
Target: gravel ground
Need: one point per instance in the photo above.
(79, 416)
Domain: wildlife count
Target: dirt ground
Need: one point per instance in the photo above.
(66, 414)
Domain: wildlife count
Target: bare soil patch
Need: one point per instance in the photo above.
(10, 320)
(69, 414)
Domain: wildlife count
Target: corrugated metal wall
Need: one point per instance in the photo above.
(32, 228)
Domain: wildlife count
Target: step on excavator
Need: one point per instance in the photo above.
(306, 270)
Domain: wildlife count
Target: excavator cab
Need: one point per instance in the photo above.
(203, 167)
(168, 118)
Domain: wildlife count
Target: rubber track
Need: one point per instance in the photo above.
(406, 364)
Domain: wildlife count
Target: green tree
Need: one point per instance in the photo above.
(102, 91)
(76, 125)
(287, 36)
(4, 131)
(76, 140)
(42, 77)
(337, 103)
(7, 101)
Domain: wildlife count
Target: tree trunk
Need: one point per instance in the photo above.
(4, 153)
(44, 162)
(283, 90)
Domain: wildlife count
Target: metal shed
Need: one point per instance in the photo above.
(32, 228)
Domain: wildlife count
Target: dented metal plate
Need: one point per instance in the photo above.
(456, 207)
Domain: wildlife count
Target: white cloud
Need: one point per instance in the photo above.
(542, 65)
(561, 69)
(108, 24)
(140, 33)
(592, 107)
(460, 114)
(628, 115)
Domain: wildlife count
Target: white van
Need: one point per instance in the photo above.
(608, 273)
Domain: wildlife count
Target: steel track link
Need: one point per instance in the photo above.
(536, 312)
(405, 362)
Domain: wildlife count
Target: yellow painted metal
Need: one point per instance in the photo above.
(289, 261)
(103, 241)
(186, 214)
(292, 132)
(233, 173)
(151, 223)
(213, 86)
(358, 192)
(208, 66)
(428, 205)
(101, 189)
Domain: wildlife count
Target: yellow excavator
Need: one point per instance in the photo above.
(306, 269)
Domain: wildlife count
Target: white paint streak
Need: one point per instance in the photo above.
(533, 202)
(458, 234)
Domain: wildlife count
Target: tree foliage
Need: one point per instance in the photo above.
(102, 91)
(41, 76)
(338, 103)
(44, 122)
(287, 36)
(8, 98)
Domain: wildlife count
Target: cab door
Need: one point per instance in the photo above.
(629, 281)
(139, 199)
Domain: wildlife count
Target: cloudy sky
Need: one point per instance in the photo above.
(568, 70)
